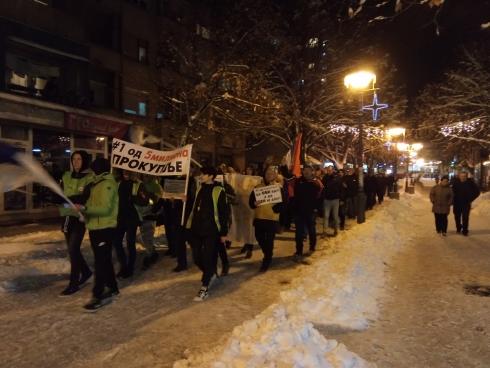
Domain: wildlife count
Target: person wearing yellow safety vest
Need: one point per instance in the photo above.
(208, 224)
(266, 217)
(128, 221)
(74, 183)
(149, 192)
(100, 213)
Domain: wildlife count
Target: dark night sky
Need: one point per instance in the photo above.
(421, 55)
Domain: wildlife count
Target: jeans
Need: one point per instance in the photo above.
(147, 230)
(331, 206)
(205, 255)
(74, 231)
(126, 263)
(351, 209)
(462, 217)
(441, 222)
(303, 221)
(101, 242)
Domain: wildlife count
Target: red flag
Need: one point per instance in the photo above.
(296, 169)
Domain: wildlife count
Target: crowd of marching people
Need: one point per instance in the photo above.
(113, 204)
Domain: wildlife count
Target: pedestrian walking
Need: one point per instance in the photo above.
(381, 185)
(208, 224)
(266, 218)
(307, 191)
(331, 199)
(465, 191)
(100, 212)
(73, 227)
(127, 223)
(342, 199)
(149, 193)
(351, 191)
(441, 197)
(370, 189)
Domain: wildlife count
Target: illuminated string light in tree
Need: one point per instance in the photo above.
(461, 127)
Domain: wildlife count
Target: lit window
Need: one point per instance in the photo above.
(142, 51)
(311, 65)
(313, 42)
(142, 108)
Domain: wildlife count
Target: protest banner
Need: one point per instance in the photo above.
(132, 157)
(267, 195)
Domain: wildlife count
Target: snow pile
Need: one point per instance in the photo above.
(482, 205)
(338, 290)
(274, 339)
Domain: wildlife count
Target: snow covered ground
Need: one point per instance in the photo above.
(295, 315)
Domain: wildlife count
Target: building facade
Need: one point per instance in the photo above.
(78, 73)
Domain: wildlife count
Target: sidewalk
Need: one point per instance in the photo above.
(427, 319)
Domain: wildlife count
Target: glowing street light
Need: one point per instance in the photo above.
(395, 132)
(403, 147)
(360, 80)
(417, 146)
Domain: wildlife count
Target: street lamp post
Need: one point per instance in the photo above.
(393, 133)
(360, 82)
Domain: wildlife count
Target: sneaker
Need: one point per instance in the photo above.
(70, 290)
(154, 257)
(248, 255)
(444, 234)
(96, 304)
(201, 295)
(113, 293)
(225, 269)
(84, 279)
(298, 257)
(146, 263)
(244, 249)
(179, 269)
(465, 232)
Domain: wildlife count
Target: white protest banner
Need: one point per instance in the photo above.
(173, 186)
(132, 157)
(268, 194)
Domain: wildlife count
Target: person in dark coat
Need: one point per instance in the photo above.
(342, 200)
(208, 225)
(351, 191)
(370, 190)
(331, 199)
(127, 224)
(307, 191)
(465, 191)
(441, 197)
(381, 185)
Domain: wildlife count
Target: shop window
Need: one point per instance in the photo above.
(52, 150)
(14, 132)
(312, 42)
(143, 51)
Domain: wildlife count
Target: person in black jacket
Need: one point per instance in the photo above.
(342, 199)
(208, 224)
(127, 224)
(331, 199)
(351, 191)
(465, 191)
(381, 184)
(307, 191)
(370, 190)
